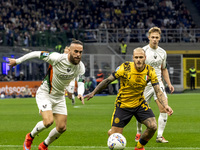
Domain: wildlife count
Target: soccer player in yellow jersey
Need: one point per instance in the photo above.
(130, 101)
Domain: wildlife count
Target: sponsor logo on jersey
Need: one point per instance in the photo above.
(65, 76)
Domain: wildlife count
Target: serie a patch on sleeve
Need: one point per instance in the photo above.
(44, 54)
(117, 68)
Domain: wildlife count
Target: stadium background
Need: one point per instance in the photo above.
(27, 25)
(32, 25)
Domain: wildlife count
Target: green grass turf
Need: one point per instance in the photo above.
(88, 124)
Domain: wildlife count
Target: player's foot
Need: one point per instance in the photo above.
(139, 148)
(28, 141)
(161, 140)
(137, 137)
(73, 101)
(42, 146)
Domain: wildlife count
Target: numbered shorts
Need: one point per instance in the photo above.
(149, 92)
(122, 116)
(46, 102)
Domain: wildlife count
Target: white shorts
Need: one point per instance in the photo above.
(70, 88)
(46, 102)
(149, 92)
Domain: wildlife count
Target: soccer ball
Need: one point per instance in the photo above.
(116, 141)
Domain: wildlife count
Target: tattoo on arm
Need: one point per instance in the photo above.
(160, 95)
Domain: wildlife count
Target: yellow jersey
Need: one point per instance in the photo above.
(132, 84)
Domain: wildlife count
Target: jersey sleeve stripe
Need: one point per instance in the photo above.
(155, 84)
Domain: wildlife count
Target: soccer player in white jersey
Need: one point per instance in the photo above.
(156, 57)
(71, 87)
(50, 96)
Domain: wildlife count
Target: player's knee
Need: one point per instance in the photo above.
(70, 95)
(48, 123)
(61, 128)
(153, 127)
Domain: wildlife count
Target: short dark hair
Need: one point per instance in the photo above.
(74, 41)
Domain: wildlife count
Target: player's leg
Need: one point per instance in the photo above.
(148, 93)
(55, 133)
(162, 119)
(60, 116)
(70, 91)
(115, 130)
(146, 116)
(151, 125)
(44, 106)
(71, 96)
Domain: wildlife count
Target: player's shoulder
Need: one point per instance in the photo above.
(124, 66)
(81, 67)
(161, 49)
(145, 48)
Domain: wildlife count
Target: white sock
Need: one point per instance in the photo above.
(162, 121)
(73, 96)
(139, 127)
(38, 128)
(53, 135)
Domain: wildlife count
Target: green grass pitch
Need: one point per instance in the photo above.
(88, 124)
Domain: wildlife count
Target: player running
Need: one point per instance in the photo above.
(156, 57)
(130, 100)
(76, 81)
(50, 96)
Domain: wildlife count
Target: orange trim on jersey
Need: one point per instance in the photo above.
(76, 86)
(50, 77)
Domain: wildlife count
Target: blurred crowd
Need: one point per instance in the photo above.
(22, 20)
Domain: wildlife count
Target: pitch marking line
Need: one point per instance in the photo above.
(103, 147)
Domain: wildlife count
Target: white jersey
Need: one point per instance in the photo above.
(60, 73)
(156, 58)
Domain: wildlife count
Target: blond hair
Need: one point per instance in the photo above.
(154, 29)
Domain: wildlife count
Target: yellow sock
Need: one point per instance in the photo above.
(139, 145)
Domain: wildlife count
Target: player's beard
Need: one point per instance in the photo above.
(140, 66)
(74, 60)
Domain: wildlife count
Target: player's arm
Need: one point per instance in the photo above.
(162, 99)
(31, 55)
(167, 79)
(81, 90)
(46, 56)
(102, 85)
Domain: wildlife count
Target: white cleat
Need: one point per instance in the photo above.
(161, 140)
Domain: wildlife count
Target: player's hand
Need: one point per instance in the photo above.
(89, 96)
(12, 62)
(81, 98)
(171, 88)
(169, 110)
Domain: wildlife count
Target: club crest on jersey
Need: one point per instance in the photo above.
(68, 69)
(155, 56)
